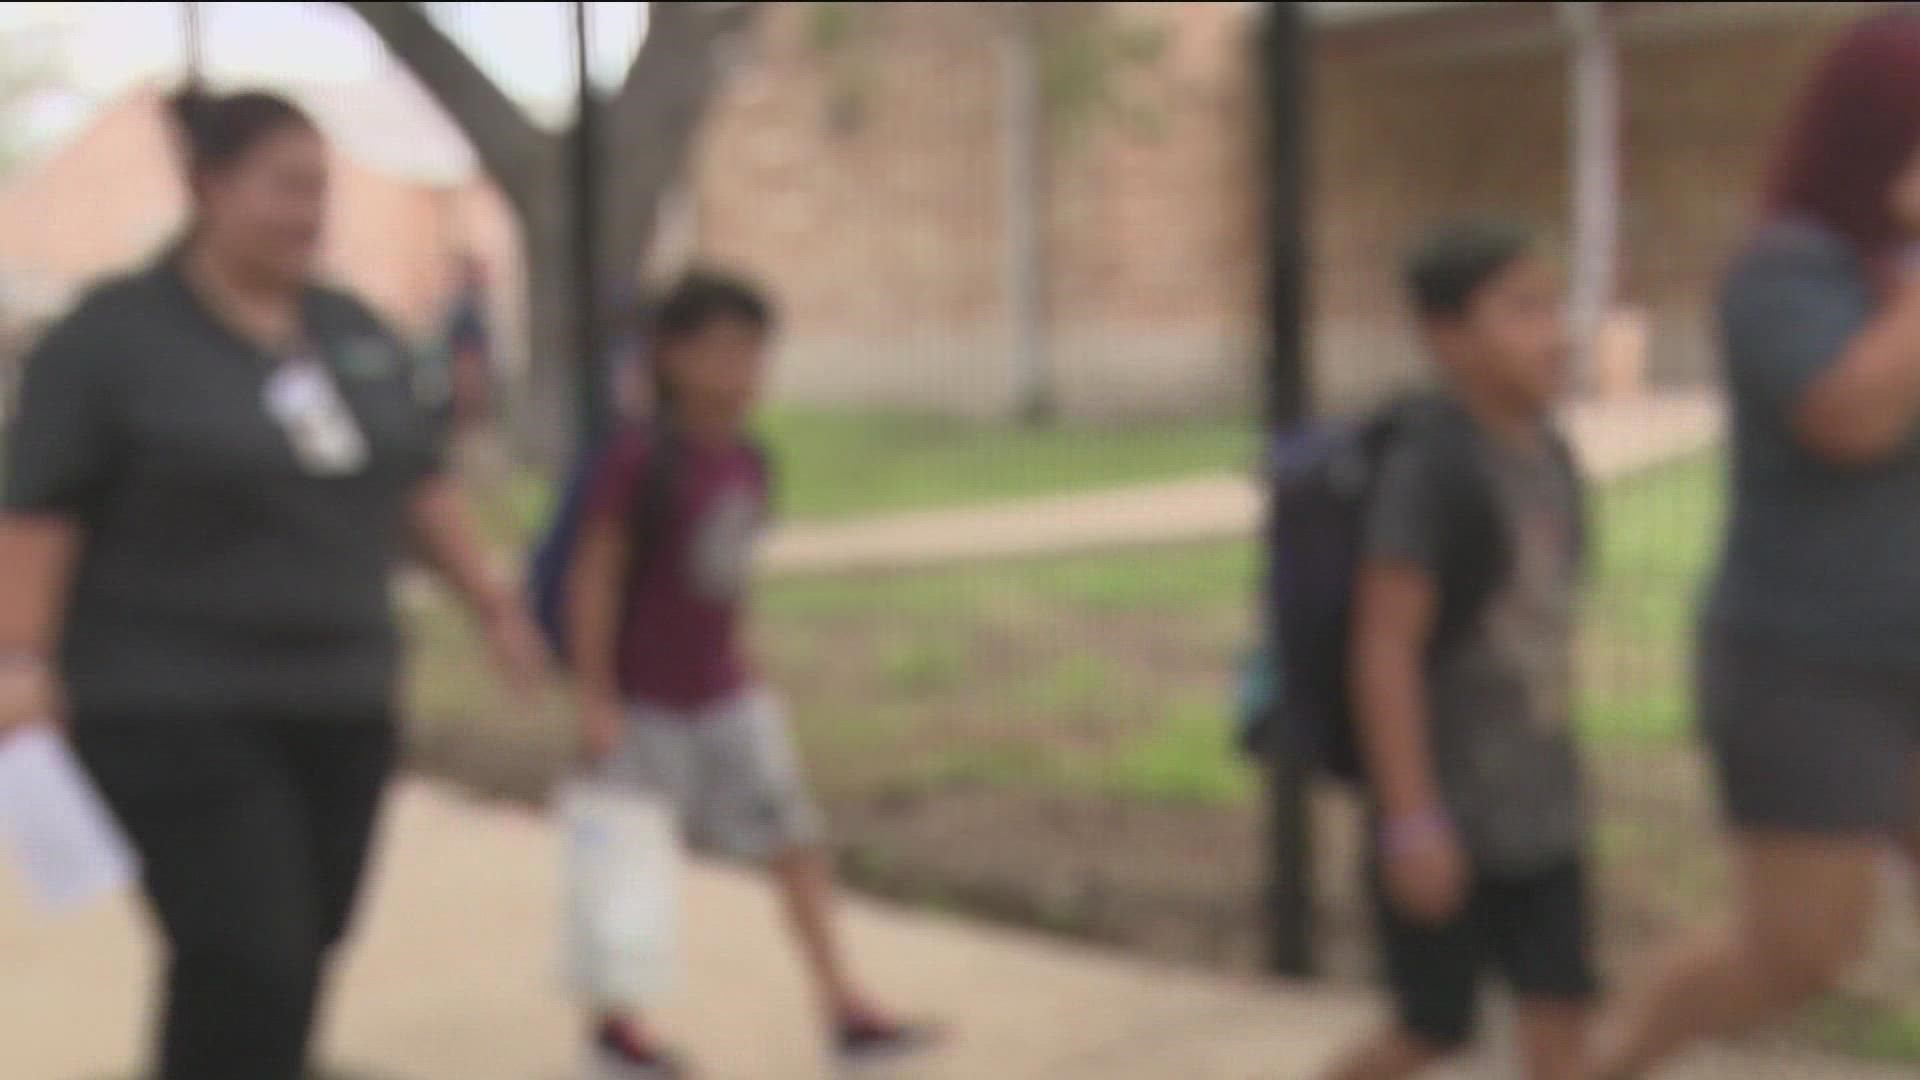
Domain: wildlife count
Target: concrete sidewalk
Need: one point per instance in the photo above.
(453, 979)
(1613, 438)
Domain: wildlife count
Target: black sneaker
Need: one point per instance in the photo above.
(867, 1042)
(618, 1053)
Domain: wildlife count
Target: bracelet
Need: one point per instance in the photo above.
(16, 659)
(1401, 835)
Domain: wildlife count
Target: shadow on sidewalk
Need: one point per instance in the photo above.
(325, 1074)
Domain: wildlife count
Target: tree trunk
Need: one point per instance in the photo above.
(545, 421)
(652, 124)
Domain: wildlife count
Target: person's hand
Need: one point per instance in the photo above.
(519, 651)
(602, 722)
(26, 694)
(1425, 868)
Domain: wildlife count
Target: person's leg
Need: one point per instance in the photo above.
(341, 770)
(754, 804)
(1803, 907)
(657, 756)
(1433, 974)
(806, 881)
(1540, 928)
(1391, 1053)
(1813, 761)
(1553, 1039)
(217, 827)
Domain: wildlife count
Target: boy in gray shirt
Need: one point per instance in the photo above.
(1466, 734)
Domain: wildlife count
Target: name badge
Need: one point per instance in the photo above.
(326, 439)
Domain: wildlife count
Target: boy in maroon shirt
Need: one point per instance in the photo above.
(667, 700)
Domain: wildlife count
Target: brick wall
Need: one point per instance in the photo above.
(1409, 133)
(862, 183)
(865, 183)
(882, 230)
(884, 236)
(1399, 142)
(1702, 115)
(112, 197)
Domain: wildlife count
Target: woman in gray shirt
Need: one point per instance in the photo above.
(1810, 642)
(213, 470)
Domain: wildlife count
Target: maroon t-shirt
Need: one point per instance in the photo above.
(682, 650)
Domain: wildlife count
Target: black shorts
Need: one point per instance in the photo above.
(1533, 931)
(1809, 745)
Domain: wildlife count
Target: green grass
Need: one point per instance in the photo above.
(924, 663)
(1181, 581)
(1178, 759)
(1869, 1030)
(1055, 619)
(843, 465)
(1187, 758)
(1110, 673)
(835, 465)
(1656, 534)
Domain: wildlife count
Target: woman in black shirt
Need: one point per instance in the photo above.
(213, 471)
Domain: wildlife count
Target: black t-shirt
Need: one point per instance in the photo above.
(218, 571)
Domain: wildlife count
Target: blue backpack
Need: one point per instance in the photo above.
(1322, 486)
(552, 559)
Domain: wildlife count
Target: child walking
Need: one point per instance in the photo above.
(1461, 691)
(668, 701)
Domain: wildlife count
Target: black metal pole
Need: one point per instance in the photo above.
(594, 383)
(1285, 45)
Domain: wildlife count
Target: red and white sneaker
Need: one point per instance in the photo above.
(874, 1042)
(620, 1052)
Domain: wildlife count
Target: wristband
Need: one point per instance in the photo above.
(1402, 835)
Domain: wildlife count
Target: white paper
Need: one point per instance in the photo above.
(54, 824)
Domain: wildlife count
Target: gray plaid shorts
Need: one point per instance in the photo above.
(730, 770)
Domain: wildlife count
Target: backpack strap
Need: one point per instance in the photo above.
(764, 465)
(1479, 544)
(1582, 524)
(653, 502)
(1476, 547)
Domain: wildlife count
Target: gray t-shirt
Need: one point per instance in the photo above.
(219, 571)
(1500, 695)
(1820, 559)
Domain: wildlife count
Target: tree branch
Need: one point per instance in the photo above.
(514, 152)
(650, 125)
(679, 60)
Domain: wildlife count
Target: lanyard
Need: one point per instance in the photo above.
(302, 397)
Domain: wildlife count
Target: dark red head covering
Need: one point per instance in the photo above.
(1856, 130)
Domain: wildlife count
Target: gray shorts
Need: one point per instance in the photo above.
(730, 770)
(1809, 745)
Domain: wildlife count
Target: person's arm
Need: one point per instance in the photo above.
(1811, 343)
(1863, 408)
(62, 446)
(1394, 607)
(446, 541)
(594, 585)
(36, 564)
(596, 592)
